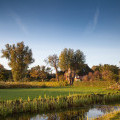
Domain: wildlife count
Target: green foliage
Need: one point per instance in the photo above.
(53, 79)
(62, 78)
(39, 73)
(108, 72)
(5, 75)
(35, 72)
(70, 59)
(65, 59)
(53, 60)
(92, 76)
(5, 85)
(83, 70)
(106, 67)
(78, 60)
(70, 62)
(19, 56)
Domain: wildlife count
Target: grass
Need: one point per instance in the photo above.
(50, 103)
(10, 94)
(116, 117)
(24, 100)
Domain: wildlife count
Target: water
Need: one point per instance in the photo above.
(69, 114)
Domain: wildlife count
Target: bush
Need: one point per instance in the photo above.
(53, 80)
(109, 76)
(86, 78)
(62, 78)
(104, 75)
(31, 84)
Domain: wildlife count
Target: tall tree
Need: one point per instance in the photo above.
(53, 62)
(71, 61)
(43, 73)
(78, 60)
(19, 56)
(66, 59)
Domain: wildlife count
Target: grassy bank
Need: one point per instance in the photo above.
(50, 103)
(23, 100)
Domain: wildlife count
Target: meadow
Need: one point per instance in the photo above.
(81, 88)
(29, 100)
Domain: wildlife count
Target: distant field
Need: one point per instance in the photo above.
(10, 94)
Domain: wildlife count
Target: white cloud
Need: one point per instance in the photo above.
(95, 20)
(19, 22)
(93, 23)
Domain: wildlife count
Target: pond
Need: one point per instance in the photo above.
(68, 114)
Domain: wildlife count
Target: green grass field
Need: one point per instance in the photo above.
(80, 94)
(10, 94)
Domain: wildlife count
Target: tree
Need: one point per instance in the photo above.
(53, 62)
(108, 72)
(19, 56)
(35, 72)
(78, 60)
(2, 73)
(83, 70)
(2, 67)
(43, 73)
(39, 72)
(5, 74)
(71, 61)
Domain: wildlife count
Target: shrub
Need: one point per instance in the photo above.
(86, 78)
(53, 80)
(62, 78)
(108, 76)
(31, 84)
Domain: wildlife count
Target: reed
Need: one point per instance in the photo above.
(51, 103)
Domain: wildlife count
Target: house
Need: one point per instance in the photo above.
(78, 78)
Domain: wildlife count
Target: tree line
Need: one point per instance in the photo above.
(68, 64)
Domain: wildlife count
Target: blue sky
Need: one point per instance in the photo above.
(49, 26)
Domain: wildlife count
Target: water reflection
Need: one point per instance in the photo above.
(69, 114)
(94, 112)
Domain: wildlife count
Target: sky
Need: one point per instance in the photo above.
(49, 26)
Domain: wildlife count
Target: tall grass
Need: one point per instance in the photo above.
(103, 84)
(31, 84)
(50, 103)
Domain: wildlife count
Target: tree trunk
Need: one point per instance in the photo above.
(57, 78)
(73, 76)
(69, 76)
